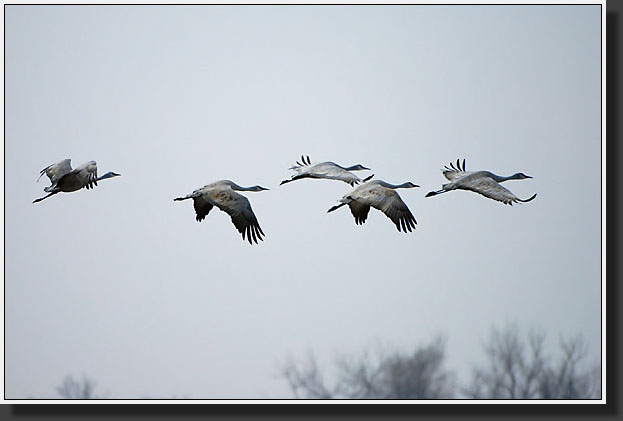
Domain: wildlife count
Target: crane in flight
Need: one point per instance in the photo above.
(327, 170)
(382, 196)
(222, 194)
(483, 182)
(65, 179)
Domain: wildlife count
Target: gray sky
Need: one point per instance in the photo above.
(122, 284)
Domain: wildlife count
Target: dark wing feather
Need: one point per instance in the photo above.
(360, 211)
(91, 175)
(239, 209)
(395, 209)
(453, 172)
(202, 207)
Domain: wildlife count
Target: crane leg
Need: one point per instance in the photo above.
(336, 207)
(44, 197)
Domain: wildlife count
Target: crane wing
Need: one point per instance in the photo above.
(239, 209)
(389, 202)
(490, 188)
(359, 210)
(454, 172)
(202, 207)
(298, 167)
(324, 170)
(332, 171)
(56, 171)
(453, 175)
(86, 173)
(344, 176)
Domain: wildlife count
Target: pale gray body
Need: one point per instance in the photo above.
(382, 196)
(327, 170)
(65, 179)
(222, 195)
(485, 183)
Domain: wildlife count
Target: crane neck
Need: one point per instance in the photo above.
(500, 178)
(107, 175)
(235, 186)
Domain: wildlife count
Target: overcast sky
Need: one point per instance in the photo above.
(122, 284)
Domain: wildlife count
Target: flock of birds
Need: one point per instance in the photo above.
(370, 193)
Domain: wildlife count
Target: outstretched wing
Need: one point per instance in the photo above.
(389, 202)
(202, 207)
(86, 173)
(56, 171)
(359, 210)
(239, 209)
(490, 188)
(453, 172)
(397, 211)
(344, 176)
(332, 171)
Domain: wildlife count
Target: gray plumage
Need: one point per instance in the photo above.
(482, 182)
(65, 179)
(382, 196)
(327, 170)
(222, 195)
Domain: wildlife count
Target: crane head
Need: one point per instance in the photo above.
(521, 176)
(357, 167)
(109, 175)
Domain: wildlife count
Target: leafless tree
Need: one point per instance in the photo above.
(517, 369)
(419, 375)
(77, 389)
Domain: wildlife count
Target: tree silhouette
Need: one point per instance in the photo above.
(77, 389)
(519, 369)
(514, 368)
(419, 375)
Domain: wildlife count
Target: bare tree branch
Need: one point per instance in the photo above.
(77, 389)
(513, 373)
(419, 375)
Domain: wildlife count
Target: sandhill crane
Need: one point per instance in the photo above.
(328, 170)
(483, 182)
(222, 195)
(65, 179)
(379, 195)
